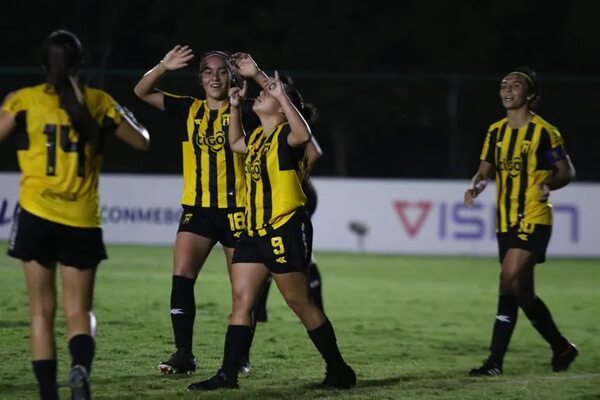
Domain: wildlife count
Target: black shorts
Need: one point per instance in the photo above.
(47, 242)
(285, 249)
(219, 224)
(531, 237)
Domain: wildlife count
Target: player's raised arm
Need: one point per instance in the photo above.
(248, 68)
(175, 59)
(236, 130)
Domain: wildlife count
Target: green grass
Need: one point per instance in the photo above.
(410, 326)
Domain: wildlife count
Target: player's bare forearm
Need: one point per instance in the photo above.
(478, 183)
(300, 132)
(7, 125)
(145, 88)
(236, 131)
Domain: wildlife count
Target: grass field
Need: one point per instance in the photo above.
(410, 326)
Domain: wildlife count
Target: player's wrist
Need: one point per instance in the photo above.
(161, 66)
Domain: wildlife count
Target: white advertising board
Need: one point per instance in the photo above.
(400, 216)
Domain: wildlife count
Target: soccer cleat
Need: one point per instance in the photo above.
(245, 366)
(79, 384)
(219, 381)
(489, 368)
(180, 362)
(341, 377)
(561, 361)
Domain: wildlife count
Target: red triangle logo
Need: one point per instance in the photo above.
(412, 227)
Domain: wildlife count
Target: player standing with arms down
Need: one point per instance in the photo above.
(528, 156)
(61, 126)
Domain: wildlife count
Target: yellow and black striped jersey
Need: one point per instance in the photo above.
(274, 175)
(523, 158)
(58, 182)
(212, 173)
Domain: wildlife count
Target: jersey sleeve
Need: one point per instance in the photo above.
(487, 151)
(15, 102)
(295, 154)
(552, 147)
(109, 113)
(177, 106)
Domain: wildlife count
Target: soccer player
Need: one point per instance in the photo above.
(213, 189)
(529, 159)
(278, 237)
(61, 125)
(313, 153)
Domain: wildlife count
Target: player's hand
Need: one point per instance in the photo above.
(245, 65)
(237, 95)
(177, 58)
(274, 87)
(544, 192)
(472, 193)
(470, 198)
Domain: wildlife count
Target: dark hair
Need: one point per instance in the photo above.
(310, 112)
(295, 97)
(236, 78)
(62, 58)
(531, 78)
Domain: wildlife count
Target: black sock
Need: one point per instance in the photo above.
(45, 373)
(237, 342)
(82, 348)
(314, 281)
(324, 340)
(183, 311)
(260, 310)
(506, 320)
(542, 321)
(246, 356)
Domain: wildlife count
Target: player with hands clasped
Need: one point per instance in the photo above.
(278, 236)
(528, 157)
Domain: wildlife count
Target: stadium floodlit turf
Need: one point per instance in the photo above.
(410, 326)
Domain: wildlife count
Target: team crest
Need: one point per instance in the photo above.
(265, 149)
(187, 217)
(525, 146)
(225, 119)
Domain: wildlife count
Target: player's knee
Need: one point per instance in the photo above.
(43, 310)
(186, 270)
(241, 301)
(42, 321)
(298, 304)
(77, 311)
(509, 285)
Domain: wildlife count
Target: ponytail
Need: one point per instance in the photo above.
(62, 58)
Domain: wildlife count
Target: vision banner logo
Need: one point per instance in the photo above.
(455, 221)
(412, 225)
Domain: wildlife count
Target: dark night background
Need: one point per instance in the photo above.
(404, 90)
